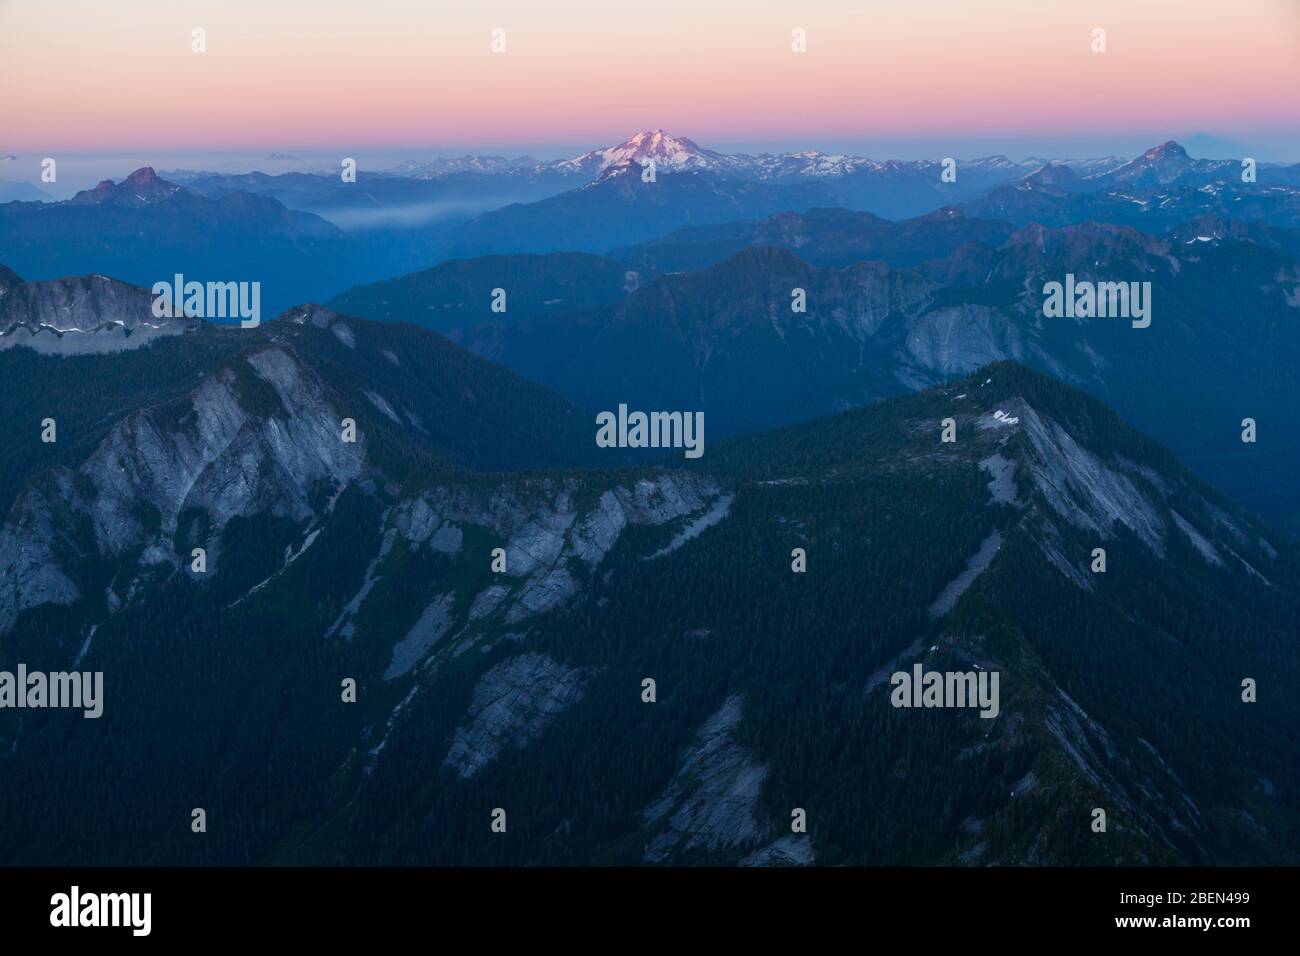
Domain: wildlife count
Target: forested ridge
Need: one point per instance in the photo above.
(223, 692)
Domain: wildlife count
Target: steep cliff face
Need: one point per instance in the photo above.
(513, 703)
(550, 542)
(264, 435)
(711, 804)
(254, 438)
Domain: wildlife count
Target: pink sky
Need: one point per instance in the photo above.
(85, 75)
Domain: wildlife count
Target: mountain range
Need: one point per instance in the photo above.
(895, 306)
(618, 325)
(894, 189)
(284, 230)
(365, 576)
(1157, 191)
(372, 561)
(146, 229)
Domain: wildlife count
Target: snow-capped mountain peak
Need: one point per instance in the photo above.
(665, 150)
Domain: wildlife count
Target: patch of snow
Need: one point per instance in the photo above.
(1002, 484)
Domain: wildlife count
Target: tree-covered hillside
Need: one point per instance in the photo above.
(515, 680)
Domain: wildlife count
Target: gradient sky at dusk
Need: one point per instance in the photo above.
(93, 76)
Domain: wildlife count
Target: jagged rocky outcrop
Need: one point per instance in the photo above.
(252, 438)
(258, 435)
(1098, 494)
(547, 536)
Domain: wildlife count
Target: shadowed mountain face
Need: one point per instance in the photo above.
(729, 339)
(620, 208)
(373, 560)
(1057, 200)
(826, 237)
(1169, 165)
(463, 294)
(1155, 211)
(455, 410)
(146, 230)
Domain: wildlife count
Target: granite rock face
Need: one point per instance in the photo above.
(512, 704)
(548, 536)
(212, 453)
(711, 803)
(959, 339)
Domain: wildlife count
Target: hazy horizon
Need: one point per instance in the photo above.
(83, 169)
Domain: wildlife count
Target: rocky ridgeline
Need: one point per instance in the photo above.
(79, 315)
